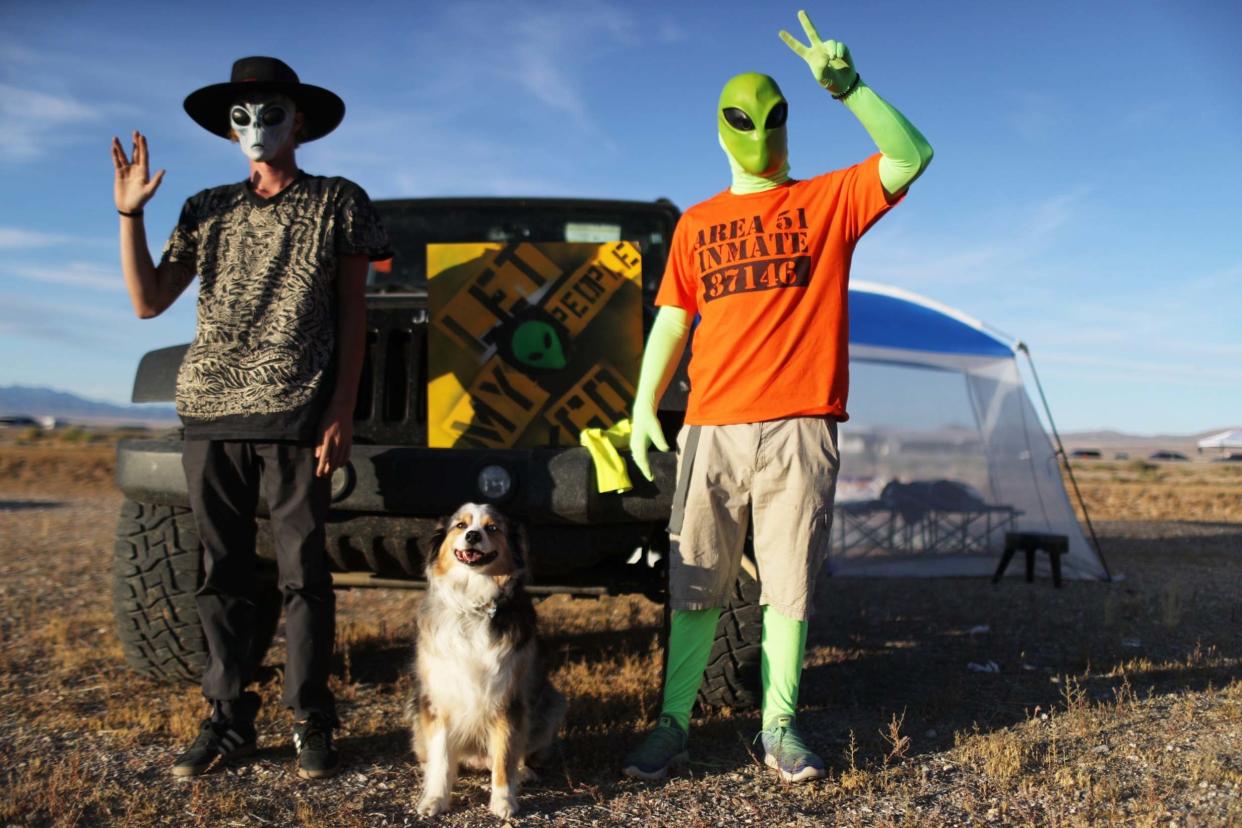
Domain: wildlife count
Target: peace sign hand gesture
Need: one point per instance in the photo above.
(829, 60)
(133, 186)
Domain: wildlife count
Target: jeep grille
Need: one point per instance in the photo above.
(392, 392)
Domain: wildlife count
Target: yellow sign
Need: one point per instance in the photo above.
(531, 342)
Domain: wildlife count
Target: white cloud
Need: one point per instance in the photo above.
(86, 326)
(1178, 373)
(541, 52)
(15, 238)
(76, 274)
(506, 110)
(36, 122)
(1011, 238)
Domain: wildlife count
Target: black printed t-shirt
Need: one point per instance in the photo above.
(262, 362)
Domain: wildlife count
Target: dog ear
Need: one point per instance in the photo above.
(437, 539)
(518, 544)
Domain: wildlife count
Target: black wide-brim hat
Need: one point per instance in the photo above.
(322, 110)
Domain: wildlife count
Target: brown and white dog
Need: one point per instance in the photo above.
(481, 693)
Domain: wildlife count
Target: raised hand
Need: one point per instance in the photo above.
(133, 186)
(829, 60)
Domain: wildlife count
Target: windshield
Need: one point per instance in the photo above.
(414, 224)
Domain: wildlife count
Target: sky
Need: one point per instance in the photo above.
(1082, 197)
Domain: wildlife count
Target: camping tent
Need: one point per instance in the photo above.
(943, 452)
(1224, 440)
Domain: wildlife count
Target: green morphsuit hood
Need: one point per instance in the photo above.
(750, 118)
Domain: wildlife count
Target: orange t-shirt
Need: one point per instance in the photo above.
(768, 275)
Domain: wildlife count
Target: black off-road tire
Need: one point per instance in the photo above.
(732, 678)
(157, 568)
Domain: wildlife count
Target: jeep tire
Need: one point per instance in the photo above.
(732, 678)
(157, 567)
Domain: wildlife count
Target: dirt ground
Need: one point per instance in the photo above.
(1114, 703)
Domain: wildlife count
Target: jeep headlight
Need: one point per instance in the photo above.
(494, 482)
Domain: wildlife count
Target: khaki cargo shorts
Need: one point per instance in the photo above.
(784, 473)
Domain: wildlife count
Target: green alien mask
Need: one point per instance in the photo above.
(751, 121)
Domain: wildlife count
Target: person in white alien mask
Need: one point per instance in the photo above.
(266, 390)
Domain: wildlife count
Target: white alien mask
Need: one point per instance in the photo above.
(262, 124)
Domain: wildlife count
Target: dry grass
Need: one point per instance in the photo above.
(1115, 704)
(1140, 490)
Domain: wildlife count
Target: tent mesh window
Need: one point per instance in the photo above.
(943, 452)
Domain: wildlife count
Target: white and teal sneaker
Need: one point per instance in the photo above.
(785, 752)
(664, 748)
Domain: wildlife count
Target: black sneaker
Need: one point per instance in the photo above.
(317, 756)
(218, 741)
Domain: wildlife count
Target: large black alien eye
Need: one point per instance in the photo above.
(776, 118)
(737, 118)
(273, 115)
(240, 117)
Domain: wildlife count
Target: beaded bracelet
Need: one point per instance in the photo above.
(853, 86)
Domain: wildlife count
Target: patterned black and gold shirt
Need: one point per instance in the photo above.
(262, 362)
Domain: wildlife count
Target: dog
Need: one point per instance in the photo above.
(481, 692)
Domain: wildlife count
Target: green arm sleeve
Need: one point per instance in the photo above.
(661, 356)
(906, 152)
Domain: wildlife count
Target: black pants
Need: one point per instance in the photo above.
(225, 478)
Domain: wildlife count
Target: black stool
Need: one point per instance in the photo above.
(1030, 543)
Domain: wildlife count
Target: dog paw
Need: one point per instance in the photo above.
(503, 805)
(433, 805)
(525, 774)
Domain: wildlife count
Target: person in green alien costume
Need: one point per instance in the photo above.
(765, 267)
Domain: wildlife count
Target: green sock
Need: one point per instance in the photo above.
(784, 643)
(690, 637)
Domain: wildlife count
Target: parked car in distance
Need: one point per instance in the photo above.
(1236, 457)
(1086, 454)
(1167, 455)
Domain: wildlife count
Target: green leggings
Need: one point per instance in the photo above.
(690, 639)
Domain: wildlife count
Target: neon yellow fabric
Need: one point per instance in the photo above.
(829, 60)
(690, 637)
(602, 444)
(784, 644)
(744, 183)
(905, 152)
(664, 346)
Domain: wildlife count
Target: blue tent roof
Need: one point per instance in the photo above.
(890, 318)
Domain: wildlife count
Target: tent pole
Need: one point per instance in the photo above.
(1065, 458)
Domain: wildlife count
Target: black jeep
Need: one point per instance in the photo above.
(385, 501)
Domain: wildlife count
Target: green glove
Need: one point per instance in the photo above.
(664, 346)
(830, 61)
(905, 151)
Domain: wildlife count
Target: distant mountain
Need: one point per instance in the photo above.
(47, 402)
(1139, 445)
(1109, 437)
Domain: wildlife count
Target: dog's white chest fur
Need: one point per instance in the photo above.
(471, 668)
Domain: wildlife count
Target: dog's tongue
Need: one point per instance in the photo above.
(468, 556)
